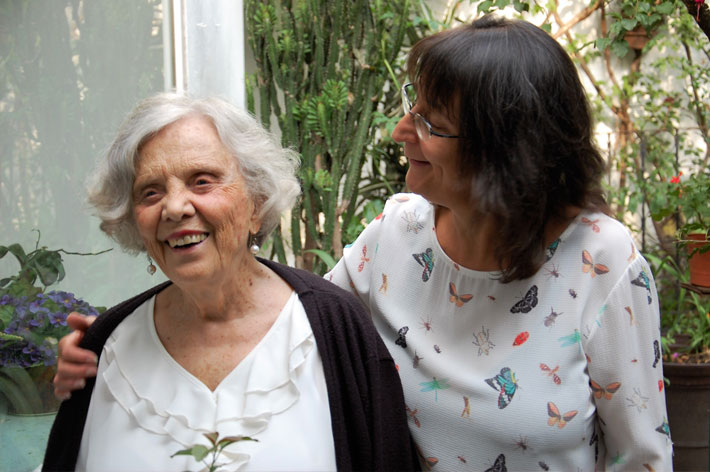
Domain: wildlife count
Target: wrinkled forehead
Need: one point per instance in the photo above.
(190, 142)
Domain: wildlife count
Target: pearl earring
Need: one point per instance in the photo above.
(254, 248)
(151, 267)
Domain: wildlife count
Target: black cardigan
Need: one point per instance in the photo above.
(367, 409)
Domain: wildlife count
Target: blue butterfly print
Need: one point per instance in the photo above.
(664, 429)
(551, 249)
(506, 384)
(426, 260)
(643, 281)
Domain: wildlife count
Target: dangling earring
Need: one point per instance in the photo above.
(151, 267)
(254, 248)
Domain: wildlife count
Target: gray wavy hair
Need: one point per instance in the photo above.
(268, 169)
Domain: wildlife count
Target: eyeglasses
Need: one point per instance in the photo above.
(423, 127)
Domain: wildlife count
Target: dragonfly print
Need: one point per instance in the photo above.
(571, 339)
(435, 385)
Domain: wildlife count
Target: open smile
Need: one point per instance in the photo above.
(188, 240)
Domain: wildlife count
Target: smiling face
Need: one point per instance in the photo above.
(191, 204)
(434, 171)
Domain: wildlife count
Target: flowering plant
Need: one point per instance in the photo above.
(34, 324)
(685, 317)
(31, 323)
(686, 196)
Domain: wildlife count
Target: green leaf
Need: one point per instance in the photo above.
(615, 29)
(629, 23)
(48, 265)
(198, 451)
(224, 442)
(620, 48)
(3, 251)
(10, 337)
(17, 251)
(325, 257)
(521, 6)
(665, 8)
(602, 43)
(484, 7)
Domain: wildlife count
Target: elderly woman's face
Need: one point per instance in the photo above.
(191, 204)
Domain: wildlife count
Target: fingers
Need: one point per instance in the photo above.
(79, 322)
(74, 364)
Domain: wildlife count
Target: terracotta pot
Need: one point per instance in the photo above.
(637, 38)
(688, 405)
(698, 263)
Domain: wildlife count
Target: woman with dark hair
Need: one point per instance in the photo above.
(523, 320)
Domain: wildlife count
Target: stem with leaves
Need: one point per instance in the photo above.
(201, 452)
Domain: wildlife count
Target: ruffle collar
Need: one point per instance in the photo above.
(165, 399)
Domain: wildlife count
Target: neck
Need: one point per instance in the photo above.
(226, 299)
(468, 244)
(471, 238)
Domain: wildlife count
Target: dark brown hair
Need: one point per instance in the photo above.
(525, 128)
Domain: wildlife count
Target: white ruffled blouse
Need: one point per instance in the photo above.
(145, 406)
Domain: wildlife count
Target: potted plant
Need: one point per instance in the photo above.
(687, 197)
(32, 320)
(685, 313)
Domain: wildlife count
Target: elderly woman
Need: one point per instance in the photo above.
(232, 344)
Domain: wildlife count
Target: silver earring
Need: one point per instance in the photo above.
(151, 267)
(254, 248)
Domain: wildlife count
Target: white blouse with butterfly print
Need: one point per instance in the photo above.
(550, 373)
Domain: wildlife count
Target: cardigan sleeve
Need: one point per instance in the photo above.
(370, 429)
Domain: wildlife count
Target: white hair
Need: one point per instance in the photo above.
(268, 169)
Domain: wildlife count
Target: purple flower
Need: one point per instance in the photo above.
(65, 299)
(39, 320)
(36, 306)
(58, 318)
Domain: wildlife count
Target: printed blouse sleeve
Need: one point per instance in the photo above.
(353, 271)
(626, 374)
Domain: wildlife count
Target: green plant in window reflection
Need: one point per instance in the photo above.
(32, 320)
(200, 452)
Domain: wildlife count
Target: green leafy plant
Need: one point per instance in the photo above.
(686, 198)
(685, 315)
(32, 320)
(210, 455)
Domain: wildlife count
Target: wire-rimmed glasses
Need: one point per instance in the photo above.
(423, 127)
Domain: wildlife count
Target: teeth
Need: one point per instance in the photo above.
(189, 239)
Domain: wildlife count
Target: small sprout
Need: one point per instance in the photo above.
(200, 452)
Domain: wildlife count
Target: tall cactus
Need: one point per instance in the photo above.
(322, 67)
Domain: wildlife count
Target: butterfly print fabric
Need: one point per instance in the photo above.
(490, 366)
